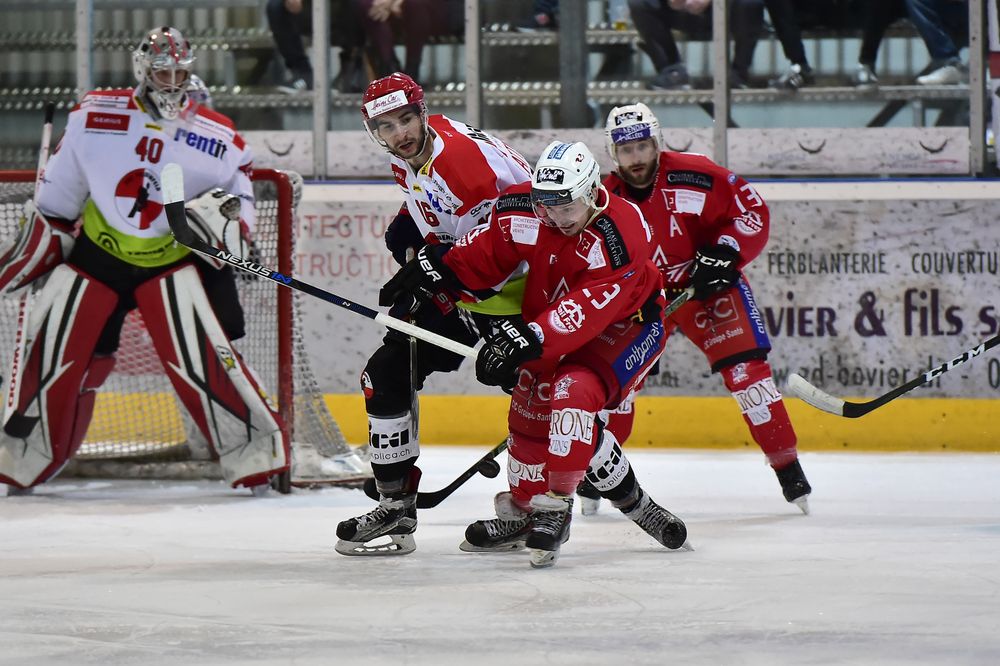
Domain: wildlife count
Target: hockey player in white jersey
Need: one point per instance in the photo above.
(450, 174)
(96, 245)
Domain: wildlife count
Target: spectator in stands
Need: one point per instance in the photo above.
(878, 16)
(417, 20)
(290, 20)
(286, 20)
(656, 19)
(544, 16)
(944, 27)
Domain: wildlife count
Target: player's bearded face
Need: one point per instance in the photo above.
(637, 162)
(402, 131)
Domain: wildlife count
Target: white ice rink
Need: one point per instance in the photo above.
(899, 563)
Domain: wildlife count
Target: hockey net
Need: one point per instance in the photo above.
(140, 429)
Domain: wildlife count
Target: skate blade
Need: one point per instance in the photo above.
(399, 544)
(543, 559)
(505, 548)
(686, 546)
(589, 507)
(14, 491)
(802, 503)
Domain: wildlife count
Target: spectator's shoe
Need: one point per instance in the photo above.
(794, 78)
(672, 77)
(538, 23)
(794, 485)
(301, 82)
(864, 78)
(738, 81)
(949, 73)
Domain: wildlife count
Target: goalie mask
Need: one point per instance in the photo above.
(395, 115)
(566, 186)
(162, 66)
(636, 127)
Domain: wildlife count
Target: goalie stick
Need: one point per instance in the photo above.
(486, 466)
(822, 400)
(172, 178)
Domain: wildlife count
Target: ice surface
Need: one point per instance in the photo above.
(899, 563)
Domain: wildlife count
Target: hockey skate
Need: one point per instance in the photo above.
(395, 517)
(590, 497)
(507, 532)
(550, 518)
(659, 523)
(794, 485)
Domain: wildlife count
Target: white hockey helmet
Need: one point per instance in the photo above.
(566, 173)
(162, 65)
(632, 122)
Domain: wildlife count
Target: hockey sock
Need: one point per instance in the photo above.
(760, 403)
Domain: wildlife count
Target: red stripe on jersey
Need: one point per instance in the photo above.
(465, 165)
(223, 120)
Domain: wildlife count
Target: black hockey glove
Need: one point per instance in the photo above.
(505, 350)
(402, 235)
(422, 277)
(715, 268)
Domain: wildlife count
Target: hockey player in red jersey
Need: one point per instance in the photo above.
(708, 224)
(105, 174)
(590, 332)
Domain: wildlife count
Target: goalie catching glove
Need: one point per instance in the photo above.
(715, 269)
(40, 245)
(215, 218)
(510, 346)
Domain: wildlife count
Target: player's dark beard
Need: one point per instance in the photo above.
(644, 182)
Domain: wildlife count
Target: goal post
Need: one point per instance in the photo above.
(140, 429)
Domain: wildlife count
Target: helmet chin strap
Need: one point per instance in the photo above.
(598, 209)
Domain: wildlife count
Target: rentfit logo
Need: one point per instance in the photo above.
(245, 264)
(208, 145)
(639, 352)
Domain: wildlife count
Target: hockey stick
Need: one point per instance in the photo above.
(486, 466)
(172, 178)
(822, 400)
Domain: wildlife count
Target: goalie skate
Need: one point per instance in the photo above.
(659, 523)
(794, 486)
(507, 532)
(550, 518)
(393, 522)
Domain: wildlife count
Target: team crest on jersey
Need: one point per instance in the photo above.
(561, 290)
(138, 198)
(568, 317)
(589, 247)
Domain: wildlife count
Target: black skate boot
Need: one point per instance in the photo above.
(504, 533)
(658, 523)
(794, 485)
(395, 517)
(550, 518)
(590, 497)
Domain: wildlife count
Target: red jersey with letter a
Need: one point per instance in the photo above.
(693, 203)
(576, 286)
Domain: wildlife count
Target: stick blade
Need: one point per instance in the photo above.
(801, 388)
(172, 180)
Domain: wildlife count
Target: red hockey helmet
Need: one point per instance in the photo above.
(391, 93)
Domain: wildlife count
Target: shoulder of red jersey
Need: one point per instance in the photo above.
(619, 226)
(515, 216)
(613, 182)
(693, 170)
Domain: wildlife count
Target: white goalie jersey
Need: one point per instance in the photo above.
(107, 169)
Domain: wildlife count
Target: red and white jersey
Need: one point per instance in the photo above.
(693, 203)
(454, 191)
(107, 168)
(576, 286)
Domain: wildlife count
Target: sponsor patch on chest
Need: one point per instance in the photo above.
(107, 122)
(684, 201)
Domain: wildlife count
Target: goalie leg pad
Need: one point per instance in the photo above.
(219, 391)
(52, 377)
(35, 250)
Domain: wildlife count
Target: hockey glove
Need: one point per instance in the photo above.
(215, 218)
(513, 344)
(716, 268)
(422, 277)
(402, 235)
